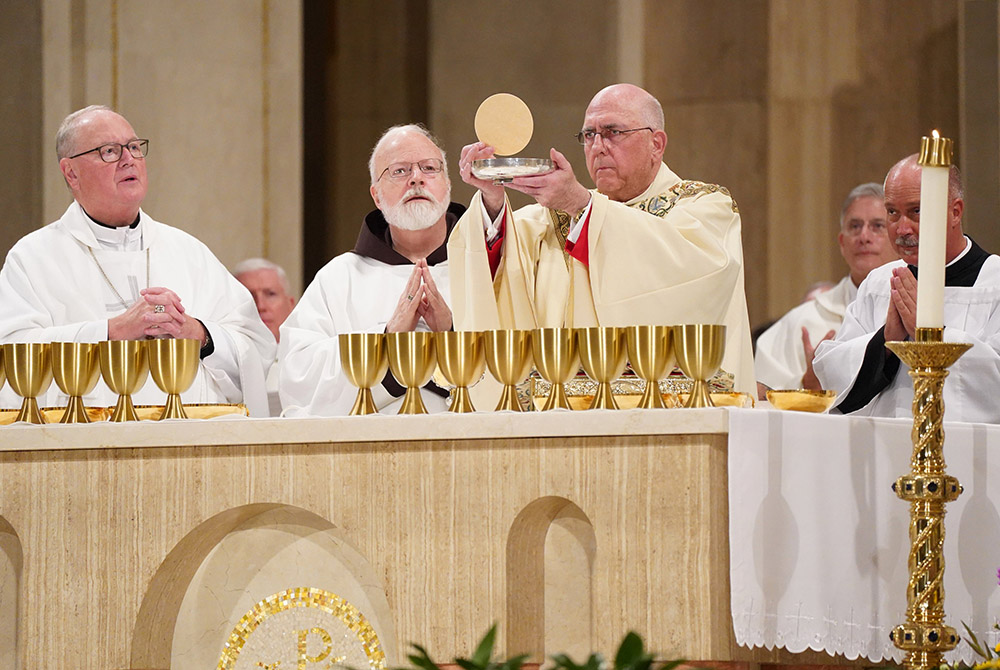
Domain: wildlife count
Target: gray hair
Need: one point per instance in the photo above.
(869, 190)
(396, 130)
(66, 135)
(255, 264)
(652, 112)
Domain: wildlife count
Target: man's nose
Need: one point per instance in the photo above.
(417, 175)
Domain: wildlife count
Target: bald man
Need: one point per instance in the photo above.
(645, 247)
(869, 379)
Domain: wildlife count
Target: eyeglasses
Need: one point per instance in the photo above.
(112, 151)
(401, 171)
(854, 228)
(609, 135)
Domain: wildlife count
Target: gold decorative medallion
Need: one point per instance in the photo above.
(302, 629)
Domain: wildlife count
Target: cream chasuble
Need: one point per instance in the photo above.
(672, 255)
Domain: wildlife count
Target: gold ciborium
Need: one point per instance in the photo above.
(75, 369)
(602, 353)
(174, 366)
(651, 353)
(557, 360)
(124, 367)
(508, 356)
(699, 349)
(461, 360)
(363, 358)
(29, 373)
(411, 360)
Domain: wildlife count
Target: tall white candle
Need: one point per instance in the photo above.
(935, 161)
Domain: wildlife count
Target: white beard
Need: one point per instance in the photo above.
(417, 215)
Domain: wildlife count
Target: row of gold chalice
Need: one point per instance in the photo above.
(76, 367)
(556, 353)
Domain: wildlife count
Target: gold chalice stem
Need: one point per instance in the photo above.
(508, 399)
(124, 410)
(557, 398)
(651, 397)
(364, 404)
(174, 409)
(461, 401)
(413, 403)
(29, 411)
(699, 396)
(75, 411)
(604, 398)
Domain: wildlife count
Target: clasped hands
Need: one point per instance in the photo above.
(420, 298)
(158, 313)
(557, 189)
(901, 318)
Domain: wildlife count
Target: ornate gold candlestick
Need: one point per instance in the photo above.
(924, 637)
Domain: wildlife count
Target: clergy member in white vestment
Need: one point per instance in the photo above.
(395, 280)
(870, 379)
(268, 284)
(784, 355)
(107, 271)
(645, 247)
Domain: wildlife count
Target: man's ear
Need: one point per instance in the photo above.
(660, 142)
(69, 173)
(955, 210)
(374, 192)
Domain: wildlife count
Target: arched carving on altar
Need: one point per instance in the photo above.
(11, 559)
(237, 558)
(550, 557)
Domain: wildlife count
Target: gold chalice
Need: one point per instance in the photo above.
(411, 360)
(699, 349)
(651, 355)
(174, 366)
(508, 356)
(602, 353)
(75, 369)
(29, 373)
(557, 361)
(461, 360)
(124, 367)
(363, 358)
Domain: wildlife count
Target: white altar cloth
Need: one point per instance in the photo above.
(819, 541)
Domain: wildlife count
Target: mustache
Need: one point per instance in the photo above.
(419, 191)
(907, 241)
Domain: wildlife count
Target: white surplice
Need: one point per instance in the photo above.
(971, 315)
(780, 360)
(53, 290)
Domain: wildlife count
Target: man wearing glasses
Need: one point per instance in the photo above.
(785, 350)
(395, 280)
(107, 271)
(645, 247)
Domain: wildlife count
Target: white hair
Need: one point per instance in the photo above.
(396, 130)
(255, 264)
(870, 190)
(66, 135)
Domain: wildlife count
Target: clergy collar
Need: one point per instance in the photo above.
(964, 269)
(119, 238)
(375, 239)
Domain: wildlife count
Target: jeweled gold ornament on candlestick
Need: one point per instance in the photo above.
(125, 368)
(557, 361)
(925, 637)
(650, 350)
(508, 356)
(602, 354)
(364, 361)
(699, 349)
(173, 365)
(411, 360)
(29, 373)
(461, 359)
(75, 370)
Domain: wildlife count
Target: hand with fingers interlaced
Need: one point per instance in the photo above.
(420, 299)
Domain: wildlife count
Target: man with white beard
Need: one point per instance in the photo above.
(394, 280)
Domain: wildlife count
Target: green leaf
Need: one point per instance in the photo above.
(484, 652)
(514, 663)
(421, 659)
(630, 651)
(973, 641)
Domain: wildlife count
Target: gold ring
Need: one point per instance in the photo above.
(409, 297)
(159, 309)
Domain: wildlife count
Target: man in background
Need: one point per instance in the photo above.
(785, 351)
(268, 284)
